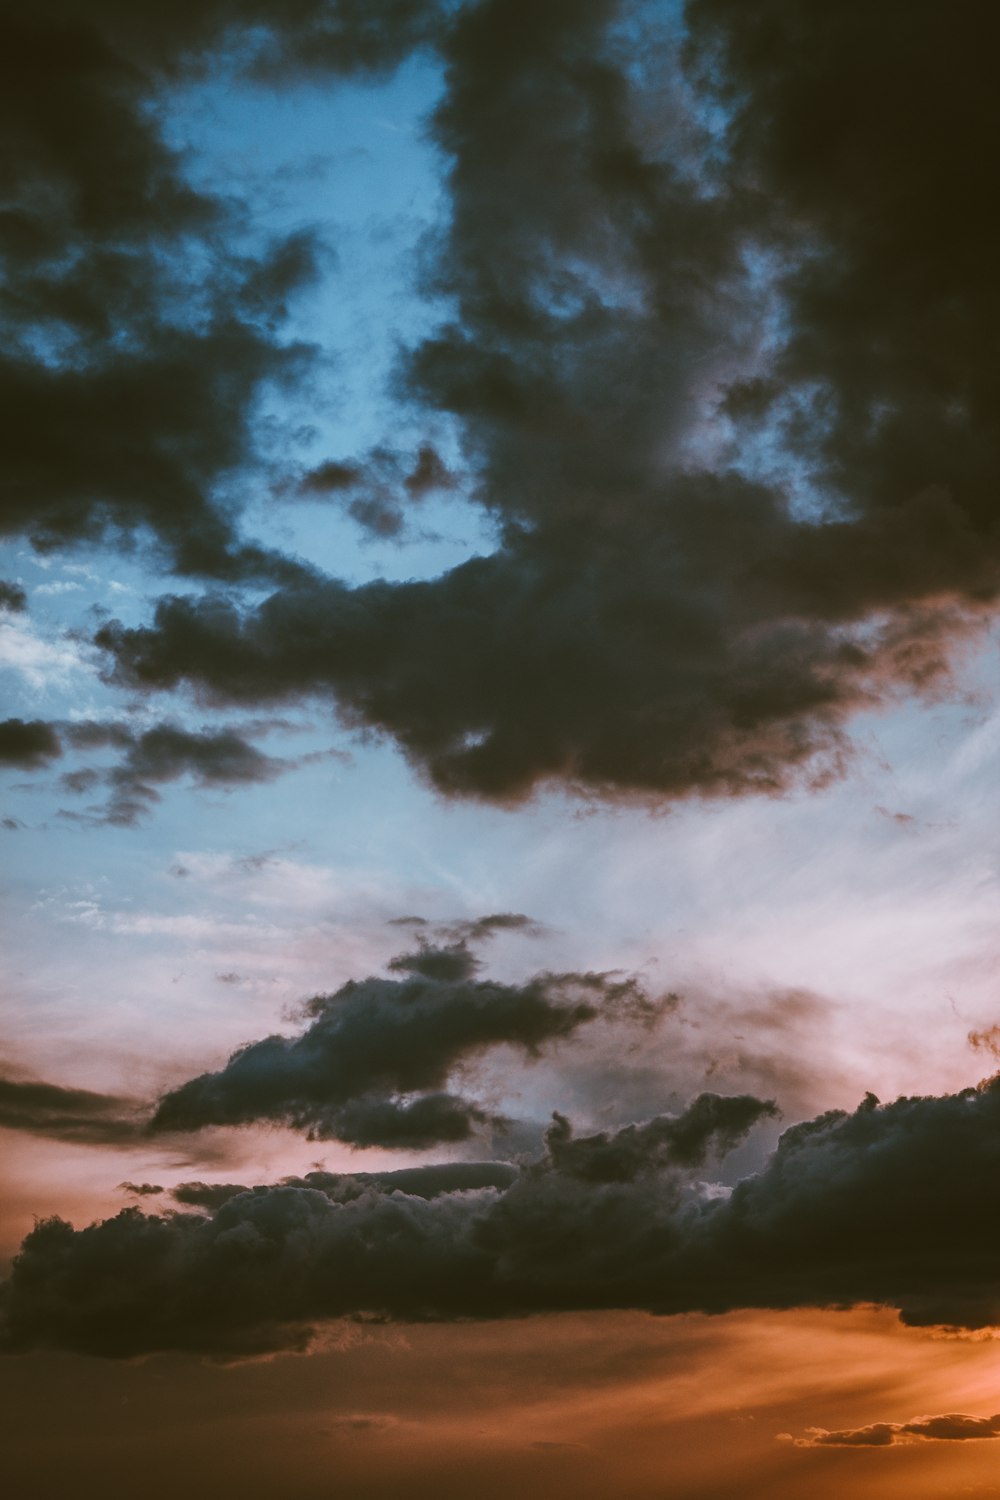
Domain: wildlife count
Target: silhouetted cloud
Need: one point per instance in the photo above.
(373, 1065)
(838, 1215)
(67, 1114)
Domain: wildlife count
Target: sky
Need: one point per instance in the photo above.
(499, 609)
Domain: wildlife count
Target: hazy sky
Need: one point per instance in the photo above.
(499, 577)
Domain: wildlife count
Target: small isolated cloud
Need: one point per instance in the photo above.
(28, 744)
(12, 596)
(375, 490)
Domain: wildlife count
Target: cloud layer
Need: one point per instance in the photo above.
(838, 1215)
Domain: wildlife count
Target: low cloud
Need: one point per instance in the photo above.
(373, 1065)
(837, 1216)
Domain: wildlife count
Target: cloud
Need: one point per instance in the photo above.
(251, 1277)
(75, 1116)
(837, 1216)
(952, 1427)
(476, 929)
(12, 596)
(375, 490)
(27, 743)
(344, 1187)
(743, 470)
(372, 1067)
(713, 1124)
(151, 757)
(138, 337)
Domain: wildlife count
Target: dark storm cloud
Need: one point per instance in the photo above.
(952, 1427)
(730, 401)
(137, 336)
(28, 743)
(890, 1205)
(67, 1114)
(372, 1067)
(141, 1189)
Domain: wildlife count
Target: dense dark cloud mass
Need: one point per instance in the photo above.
(138, 330)
(67, 1114)
(729, 397)
(893, 317)
(889, 1205)
(373, 1065)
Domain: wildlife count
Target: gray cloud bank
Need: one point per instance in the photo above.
(730, 399)
(888, 1205)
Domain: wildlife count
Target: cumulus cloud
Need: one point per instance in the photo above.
(373, 1065)
(838, 1215)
